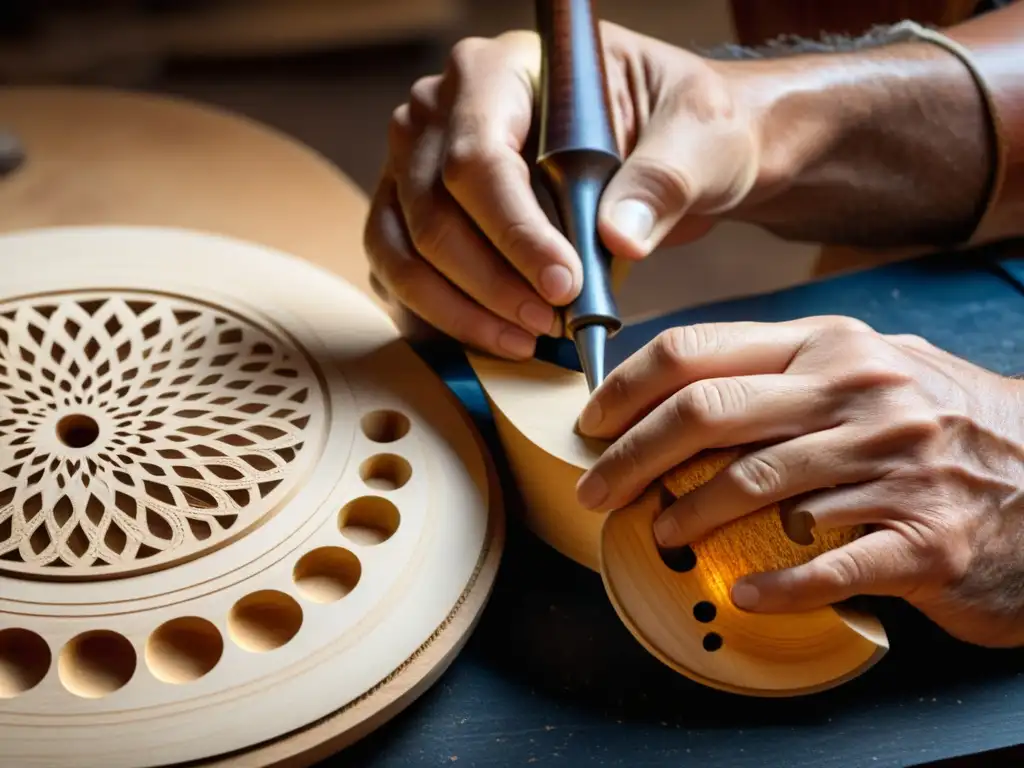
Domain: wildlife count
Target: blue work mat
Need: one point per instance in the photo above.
(552, 677)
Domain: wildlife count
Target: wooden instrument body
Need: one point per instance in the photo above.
(681, 613)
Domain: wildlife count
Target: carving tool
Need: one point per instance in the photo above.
(577, 156)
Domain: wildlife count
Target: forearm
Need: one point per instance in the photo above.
(890, 146)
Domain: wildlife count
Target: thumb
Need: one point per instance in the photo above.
(680, 172)
(642, 204)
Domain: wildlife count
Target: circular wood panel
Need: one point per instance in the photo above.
(344, 498)
(340, 572)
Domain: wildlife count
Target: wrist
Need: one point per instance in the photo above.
(881, 147)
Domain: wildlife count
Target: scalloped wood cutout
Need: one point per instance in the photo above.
(679, 608)
(241, 522)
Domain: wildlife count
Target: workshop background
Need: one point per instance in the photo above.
(330, 72)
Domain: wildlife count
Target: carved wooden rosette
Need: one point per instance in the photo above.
(224, 480)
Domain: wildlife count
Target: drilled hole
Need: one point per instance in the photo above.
(385, 426)
(96, 664)
(704, 612)
(78, 430)
(327, 574)
(264, 621)
(679, 559)
(183, 650)
(24, 661)
(797, 524)
(385, 472)
(712, 642)
(369, 520)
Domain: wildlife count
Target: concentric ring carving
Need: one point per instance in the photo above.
(138, 430)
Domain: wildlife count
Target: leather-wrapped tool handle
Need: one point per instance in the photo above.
(578, 153)
(576, 112)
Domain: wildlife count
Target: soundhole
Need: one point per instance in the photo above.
(679, 559)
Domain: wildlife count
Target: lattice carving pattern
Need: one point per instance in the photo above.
(139, 430)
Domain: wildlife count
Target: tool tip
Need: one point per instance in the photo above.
(590, 345)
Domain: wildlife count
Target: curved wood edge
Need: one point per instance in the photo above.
(762, 655)
(534, 405)
(547, 487)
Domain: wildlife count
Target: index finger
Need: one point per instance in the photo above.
(486, 173)
(682, 356)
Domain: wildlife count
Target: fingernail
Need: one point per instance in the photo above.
(633, 219)
(592, 490)
(516, 342)
(538, 317)
(745, 595)
(590, 418)
(666, 531)
(556, 282)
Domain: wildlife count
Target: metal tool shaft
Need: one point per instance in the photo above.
(578, 155)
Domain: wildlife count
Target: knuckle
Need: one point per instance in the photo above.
(858, 347)
(910, 340)
(707, 403)
(615, 390)
(673, 348)
(848, 339)
(757, 475)
(462, 328)
(399, 275)
(865, 364)
(400, 125)
(627, 458)
(515, 237)
(844, 323)
(840, 571)
(949, 561)
(466, 155)
(670, 186)
(669, 348)
(423, 92)
(702, 519)
(703, 338)
(425, 101)
(400, 118)
(464, 53)
(427, 230)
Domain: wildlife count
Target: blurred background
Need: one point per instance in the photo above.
(330, 72)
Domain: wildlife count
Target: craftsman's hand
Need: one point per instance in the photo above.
(855, 428)
(456, 234)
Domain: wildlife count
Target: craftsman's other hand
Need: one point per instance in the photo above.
(456, 234)
(852, 427)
